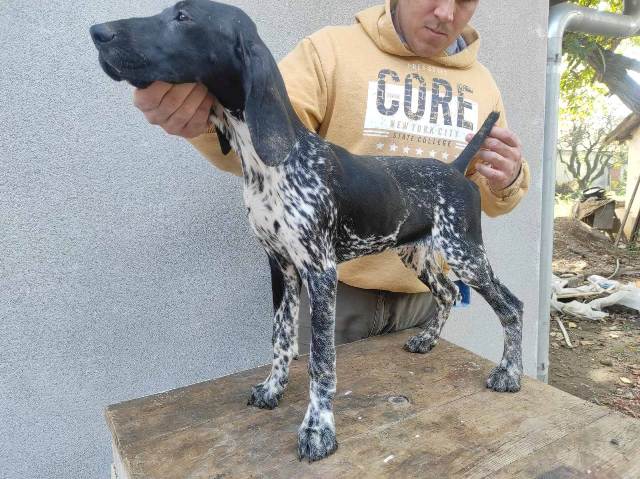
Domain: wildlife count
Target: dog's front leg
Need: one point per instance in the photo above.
(317, 434)
(286, 299)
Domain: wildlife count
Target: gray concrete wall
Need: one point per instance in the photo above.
(514, 49)
(126, 264)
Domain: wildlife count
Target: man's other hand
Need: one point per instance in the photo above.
(500, 158)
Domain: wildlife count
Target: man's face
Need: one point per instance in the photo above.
(430, 26)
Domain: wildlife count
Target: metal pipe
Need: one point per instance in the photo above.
(562, 18)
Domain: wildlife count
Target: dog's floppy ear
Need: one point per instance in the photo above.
(225, 146)
(266, 107)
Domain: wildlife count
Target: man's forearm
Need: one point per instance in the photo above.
(209, 147)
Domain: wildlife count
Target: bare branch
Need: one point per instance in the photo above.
(584, 153)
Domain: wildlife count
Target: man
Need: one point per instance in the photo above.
(404, 80)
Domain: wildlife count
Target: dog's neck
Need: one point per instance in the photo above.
(233, 127)
(272, 124)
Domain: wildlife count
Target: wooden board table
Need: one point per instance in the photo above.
(398, 415)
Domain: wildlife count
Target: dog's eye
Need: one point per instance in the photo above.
(182, 17)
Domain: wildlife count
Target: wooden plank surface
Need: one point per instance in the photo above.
(397, 415)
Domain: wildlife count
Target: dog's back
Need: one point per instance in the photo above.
(385, 201)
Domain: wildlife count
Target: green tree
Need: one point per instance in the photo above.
(594, 68)
(594, 71)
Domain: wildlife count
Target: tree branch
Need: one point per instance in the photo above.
(611, 69)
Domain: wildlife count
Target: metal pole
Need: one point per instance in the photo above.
(565, 17)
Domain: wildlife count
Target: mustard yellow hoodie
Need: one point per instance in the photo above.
(359, 87)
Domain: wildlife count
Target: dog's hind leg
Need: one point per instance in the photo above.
(286, 299)
(421, 259)
(317, 434)
(470, 263)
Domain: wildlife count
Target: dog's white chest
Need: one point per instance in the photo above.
(264, 202)
(272, 209)
(282, 205)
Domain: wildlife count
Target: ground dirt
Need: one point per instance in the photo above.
(604, 364)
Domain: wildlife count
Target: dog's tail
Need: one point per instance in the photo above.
(462, 162)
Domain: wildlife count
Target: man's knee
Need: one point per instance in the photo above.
(407, 310)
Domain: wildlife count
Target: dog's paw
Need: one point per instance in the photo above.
(315, 443)
(264, 397)
(504, 379)
(420, 344)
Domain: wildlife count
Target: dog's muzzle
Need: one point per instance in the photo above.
(118, 63)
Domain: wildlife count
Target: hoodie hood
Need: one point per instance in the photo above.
(378, 25)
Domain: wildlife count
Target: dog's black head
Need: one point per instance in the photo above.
(193, 41)
(210, 43)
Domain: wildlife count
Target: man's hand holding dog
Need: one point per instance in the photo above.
(179, 109)
(500, 158)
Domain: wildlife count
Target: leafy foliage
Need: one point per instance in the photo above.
(594, 71)
(579, 83)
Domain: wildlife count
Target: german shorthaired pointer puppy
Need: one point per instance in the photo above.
(311, 203)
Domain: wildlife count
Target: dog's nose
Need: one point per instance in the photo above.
(101, 33)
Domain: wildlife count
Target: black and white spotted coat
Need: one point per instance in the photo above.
(316, 208)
